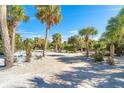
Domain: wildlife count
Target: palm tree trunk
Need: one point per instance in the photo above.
(87, 49)
(56, 48)
(5, 37)
(45, 45)
(112, 51)
(28, 55)
(13, 41)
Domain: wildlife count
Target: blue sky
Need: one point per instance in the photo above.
(74, 18)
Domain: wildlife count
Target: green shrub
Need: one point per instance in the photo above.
(70, 49)
(98, 57)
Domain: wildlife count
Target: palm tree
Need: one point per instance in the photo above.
(38, 43)
(57, 40)
(5, 37)
(15, 15)
(75, 42)
(28, 47)
(49, 15)
(112, 36)
(121, 23)
(86, 33)
(18, 42)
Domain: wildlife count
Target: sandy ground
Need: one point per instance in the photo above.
(59, 70)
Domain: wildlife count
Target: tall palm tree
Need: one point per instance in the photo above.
(86, 33)
(112, 36)
(15, 15)
(57, 40)
(121, 23)
(49, 15)
(5, 37)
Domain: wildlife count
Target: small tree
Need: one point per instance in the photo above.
(57, 41)
(38, 43)
(86, 33)
(74, 43)
(28, 47)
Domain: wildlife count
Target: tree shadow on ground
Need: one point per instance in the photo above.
(38, 82)
(86, 75)
(76, 59)
(115, 80)
(81, 74)
(56, 55)
(73, 79)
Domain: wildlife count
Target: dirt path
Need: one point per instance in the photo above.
(63, 70)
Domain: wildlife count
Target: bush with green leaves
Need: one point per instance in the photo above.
(70, 49)
(98, 57)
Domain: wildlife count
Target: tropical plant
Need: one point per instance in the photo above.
(5, 37)
(28, 47)
(38, 43)
(18, 42)
(49, 15)
(112, 36)
(57, 41)
(86, 33)
(74, 42)
(98, 48)
(15, 15)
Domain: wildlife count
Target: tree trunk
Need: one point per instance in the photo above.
(28, 55)
(87, 49)
(45, 45)
(5, 38)
(13, 41)
(112, 51)
(81, 50)
(56, 49)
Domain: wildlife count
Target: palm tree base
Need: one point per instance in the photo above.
(9, 65)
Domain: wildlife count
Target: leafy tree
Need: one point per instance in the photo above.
(57, 41)
(112, 36)
(38, 43)
(75, 42)
(86, 33)
(49, 15)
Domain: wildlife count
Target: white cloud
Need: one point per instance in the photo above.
(116, 9)
(97, 37)
(26, 34)
(73, 32)
(64, 38)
